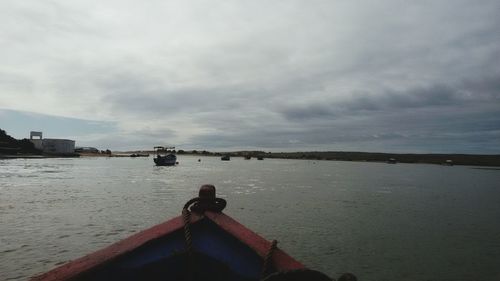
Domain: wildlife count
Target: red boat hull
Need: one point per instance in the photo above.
(219, 239)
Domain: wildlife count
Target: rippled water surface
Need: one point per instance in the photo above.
(380, 221)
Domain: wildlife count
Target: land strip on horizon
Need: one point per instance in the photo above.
(427, 158)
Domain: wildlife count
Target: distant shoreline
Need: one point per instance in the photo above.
(414, 158)
(22, 156)
(411, 158)
(37, 156)
(440, 159)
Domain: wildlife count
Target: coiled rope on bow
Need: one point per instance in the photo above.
(198, 205)
(206, 201)
(186, 216)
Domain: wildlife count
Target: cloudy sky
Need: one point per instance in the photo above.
(388, 76)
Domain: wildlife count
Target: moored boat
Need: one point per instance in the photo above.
(165, 156)
(202, 244)
(225, 158)
(448, 162)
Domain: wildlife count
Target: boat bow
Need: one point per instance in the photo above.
(223, 248)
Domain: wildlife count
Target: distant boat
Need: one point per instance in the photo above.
(165, 156)
(139, 155)
(202, 244)
(225, 158)
(248, 157)
(391, 161)
(260, 158)
(448, 163)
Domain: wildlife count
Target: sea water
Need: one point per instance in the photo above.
(379, 221)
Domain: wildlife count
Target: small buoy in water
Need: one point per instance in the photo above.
(176, 163)
(199, 160)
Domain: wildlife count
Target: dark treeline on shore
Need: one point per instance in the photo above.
(12, 146)
(455, 159)
(447, 159)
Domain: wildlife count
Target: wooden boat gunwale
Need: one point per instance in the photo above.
(73, 269)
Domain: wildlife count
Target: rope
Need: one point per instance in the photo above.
(198, 205)
(189, 203)
(267, 259)
(186, 215)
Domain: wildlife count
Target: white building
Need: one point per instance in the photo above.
(52, 146)
(36, 141)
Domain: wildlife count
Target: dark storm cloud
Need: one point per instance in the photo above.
(471, 130)
(464, 93)
(437, 95)
(313, 111)
(486, 88)
(173, 101)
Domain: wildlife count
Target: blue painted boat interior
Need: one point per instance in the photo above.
(217, 256)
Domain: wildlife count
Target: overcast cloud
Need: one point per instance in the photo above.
(390, 76)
